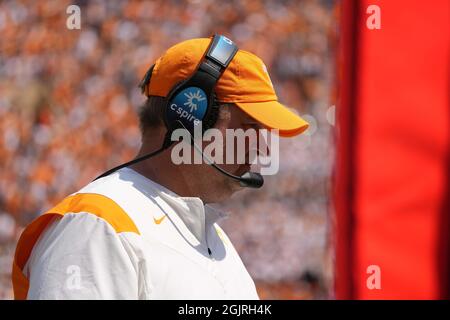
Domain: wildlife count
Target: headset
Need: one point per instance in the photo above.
(192, 102)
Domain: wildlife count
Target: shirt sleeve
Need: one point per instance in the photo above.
(80, 256)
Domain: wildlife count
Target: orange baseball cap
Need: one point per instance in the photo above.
(245, 82)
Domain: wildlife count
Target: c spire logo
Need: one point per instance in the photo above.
(193, 99)
(189, 106)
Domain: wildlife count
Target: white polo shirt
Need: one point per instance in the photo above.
(156, 245)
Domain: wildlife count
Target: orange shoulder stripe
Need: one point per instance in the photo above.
(97, 204)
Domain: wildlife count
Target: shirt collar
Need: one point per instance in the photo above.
(196, 216)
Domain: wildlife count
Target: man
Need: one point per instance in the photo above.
(145, 231)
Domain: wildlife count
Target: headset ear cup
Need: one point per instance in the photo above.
(171, 125)
(213, 114)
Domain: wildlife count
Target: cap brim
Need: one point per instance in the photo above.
(274, 115)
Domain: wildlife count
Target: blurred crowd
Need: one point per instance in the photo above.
(68, 102)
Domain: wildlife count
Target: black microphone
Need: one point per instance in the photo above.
(252, 180)
(248, 179)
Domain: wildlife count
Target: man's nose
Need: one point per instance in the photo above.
(263, 146)
(258, 148)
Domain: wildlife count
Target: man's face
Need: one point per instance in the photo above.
(216, 186)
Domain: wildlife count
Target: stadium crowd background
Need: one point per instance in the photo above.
(68, 102)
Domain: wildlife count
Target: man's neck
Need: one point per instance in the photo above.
(181, 179)
(159, 169)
